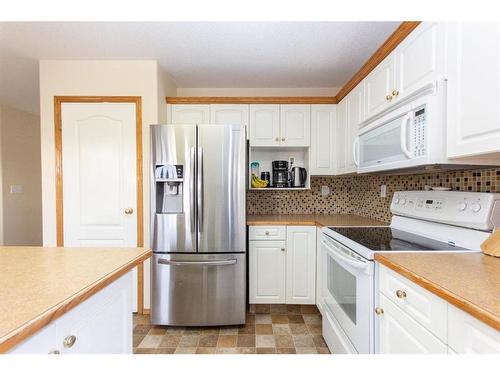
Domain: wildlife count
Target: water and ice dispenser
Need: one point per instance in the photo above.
(169, 187)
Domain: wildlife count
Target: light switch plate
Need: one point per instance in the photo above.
(383, 191)
(16, 189)
(325, 190)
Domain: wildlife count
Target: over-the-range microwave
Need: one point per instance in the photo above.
(410, 134)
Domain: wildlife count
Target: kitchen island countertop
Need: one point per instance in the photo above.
(469, 281)
(39, 284)
(337, 220)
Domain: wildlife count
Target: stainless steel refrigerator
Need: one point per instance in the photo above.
(198, 227)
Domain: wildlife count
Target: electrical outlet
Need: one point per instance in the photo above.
(291, 161)
(325, 190)
(16, 189)
(383, 191)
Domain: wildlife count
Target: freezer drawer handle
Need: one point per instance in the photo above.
(226, 262)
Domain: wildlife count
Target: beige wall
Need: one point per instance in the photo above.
(20, 165)
(166, 87)
(327, 91)
(101, 78)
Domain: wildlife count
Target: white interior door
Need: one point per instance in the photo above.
(99, 174)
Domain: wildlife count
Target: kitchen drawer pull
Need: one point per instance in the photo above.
(197, 262)
(69, 341)
(267, 233)
(379, 311)
(54, 352)
(400, 293)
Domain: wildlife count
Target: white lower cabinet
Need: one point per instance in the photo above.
(301, 265)
(267, 271)
(412, 320)
(100, 325)
(468, 335)
(400, 334)
(283, 271)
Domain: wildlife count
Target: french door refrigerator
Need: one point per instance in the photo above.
(198, 227)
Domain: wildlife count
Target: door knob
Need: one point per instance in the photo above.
(69, 341)
(129, 211)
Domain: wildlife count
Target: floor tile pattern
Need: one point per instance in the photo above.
(270, 329)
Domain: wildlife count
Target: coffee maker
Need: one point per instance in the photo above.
(281, 174)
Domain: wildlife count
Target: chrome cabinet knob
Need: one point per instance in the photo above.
(277, 139)
(379, 310)
(400, 293)
(388, 97)
(267, 233)
(282, 249)
(69, 341)
(129, 211)
(283, 139)
(54, 352)
(395, 92)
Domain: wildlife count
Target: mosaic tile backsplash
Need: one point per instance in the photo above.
(360, 194)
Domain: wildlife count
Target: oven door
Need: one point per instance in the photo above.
(387, 141)
(348, 292)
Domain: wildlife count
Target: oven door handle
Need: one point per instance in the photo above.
(343, 258)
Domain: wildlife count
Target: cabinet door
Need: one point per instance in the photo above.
(400, 334)
(379, 85)
(473, 121)
(42, 342)
(223, 114)
(100, 325)
(267, 271)
(323, 121)
(355, 115)
(190, 114)
(468, 335)
(264, 125)
(301, 265)
(341, 138)
(295, 125)
(420, 58)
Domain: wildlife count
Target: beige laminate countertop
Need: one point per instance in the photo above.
(39, 284)
(469, 281)
(318, 220)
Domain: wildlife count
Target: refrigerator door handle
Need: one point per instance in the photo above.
(192, 193)
(226, 262)
(200, 189)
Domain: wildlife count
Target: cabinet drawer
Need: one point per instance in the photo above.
(426, 308)
(400, 334)
(268, 232)
(467, 334)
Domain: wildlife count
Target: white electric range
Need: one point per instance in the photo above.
(423, 221)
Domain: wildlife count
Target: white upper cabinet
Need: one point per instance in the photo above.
(323, 121)
(355, 115)
(295, 125)
(420, 59)
(340, 137)
(473, 122)
(234, 114)
(190, 114)
(379, 85)
(264, 125)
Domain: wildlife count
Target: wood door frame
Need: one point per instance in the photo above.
(137, 100)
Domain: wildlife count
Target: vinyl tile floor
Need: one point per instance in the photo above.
(269, 329)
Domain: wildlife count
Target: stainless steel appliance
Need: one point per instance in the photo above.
(299, 177)
(198, 227)
(281, 174)
(423, 221)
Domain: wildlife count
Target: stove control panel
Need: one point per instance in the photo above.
(471, 210)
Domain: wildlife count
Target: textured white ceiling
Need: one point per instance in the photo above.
(195, 54)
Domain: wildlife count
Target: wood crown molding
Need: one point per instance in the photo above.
(403, 30)
(251, 100)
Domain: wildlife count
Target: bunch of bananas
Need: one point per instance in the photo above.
(258, 183)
